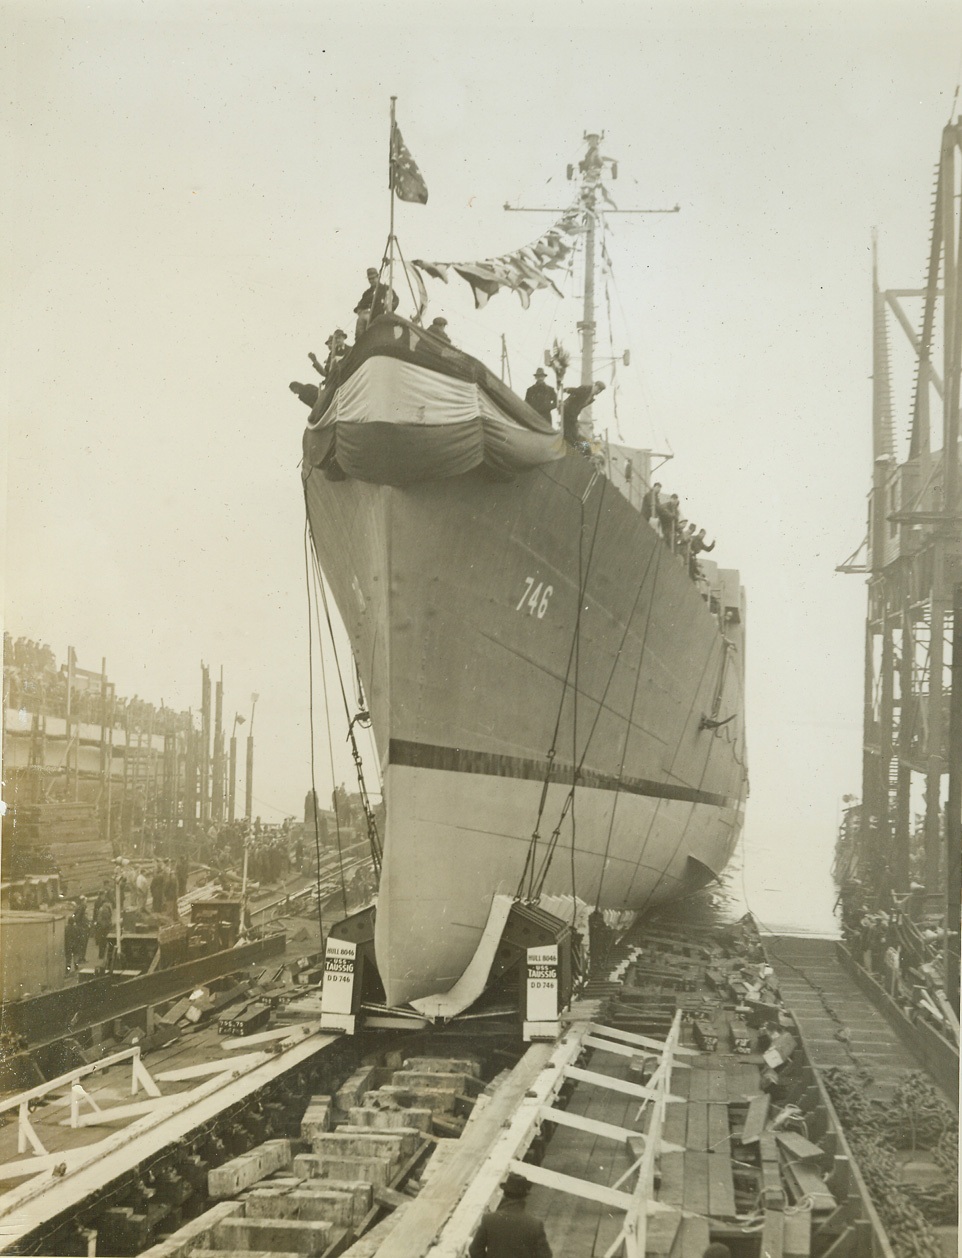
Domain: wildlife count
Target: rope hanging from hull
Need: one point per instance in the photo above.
(361, 717)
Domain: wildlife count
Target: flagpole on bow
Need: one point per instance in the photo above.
(390, 239)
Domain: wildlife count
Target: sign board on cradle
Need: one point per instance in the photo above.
(541, 1005)
(337, 994)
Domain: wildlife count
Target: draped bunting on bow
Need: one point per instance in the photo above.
(524, 271)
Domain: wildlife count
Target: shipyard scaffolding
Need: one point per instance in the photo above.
(908, 826)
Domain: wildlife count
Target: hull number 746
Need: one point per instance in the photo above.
(535, 598)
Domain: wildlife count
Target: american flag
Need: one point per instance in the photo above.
(406, 180)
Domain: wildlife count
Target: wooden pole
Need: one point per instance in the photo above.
(205, 745)
(390, 239)
(217, 800)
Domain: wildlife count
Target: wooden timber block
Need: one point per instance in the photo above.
(248, 1168)
(364, 1140)
(756, 1118)
(379, 1119)
(237, 1253)
(374, 1169)
(390, 1198)
(290, 1236)
(798, 1234)
(705, 1035)
(415, 1079)
(438, 1100)
(362, 1194)
(195, 1233)
(721, 1187)
(739, 1035)
(445, 1065)
(406, 1139)
(317, 1204)
(773, 1192)
(805, 1181)
(351, 1091)
(317, 1117)
(799, 1148)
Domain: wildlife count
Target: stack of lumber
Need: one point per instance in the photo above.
(69, 833)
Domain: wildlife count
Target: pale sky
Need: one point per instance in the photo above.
(194, 191)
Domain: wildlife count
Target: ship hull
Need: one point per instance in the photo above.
(516, 637)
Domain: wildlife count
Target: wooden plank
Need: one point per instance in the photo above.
(773, 1232)
(571, 1184)
(698, 1087)
(798, 1234)
(757, 1117)
(675, 1125)
(615, 1085)
(117, 1113)
(276, 1033)
(719, 1136)
(672, 1190)
(629, 1037)
(696, 1133)
(581, 1122)
(717, 1086)
(218, 1066)
(798, 1148)
(661, 1232)
(721, 1188)
(692, 1239)
(696, 1181)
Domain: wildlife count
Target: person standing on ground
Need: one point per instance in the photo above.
(509, 1232)
(540, 396)
(103, 923)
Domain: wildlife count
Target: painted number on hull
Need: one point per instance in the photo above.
(535, 598)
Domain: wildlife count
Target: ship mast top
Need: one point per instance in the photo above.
(594, 202)
(592, 167)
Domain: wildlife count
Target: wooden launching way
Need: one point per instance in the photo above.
(682, 1104)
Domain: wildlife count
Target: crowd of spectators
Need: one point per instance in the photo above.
(33, 681)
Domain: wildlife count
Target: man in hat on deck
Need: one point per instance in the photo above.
(577, 400)
(439, 328)
(509, 1232)
(377, 299)
(541, 397)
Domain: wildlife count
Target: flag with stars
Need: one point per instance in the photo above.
(406, 180)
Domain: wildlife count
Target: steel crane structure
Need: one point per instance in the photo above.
(913, 560)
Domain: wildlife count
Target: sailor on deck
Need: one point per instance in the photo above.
(377, 299)
(439, 328)
(508, 1232)
(576, 400)
(540, 396)
(651, 502)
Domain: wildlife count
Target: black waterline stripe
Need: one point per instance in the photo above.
(457, 760)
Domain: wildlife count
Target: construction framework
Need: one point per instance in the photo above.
(914, 567)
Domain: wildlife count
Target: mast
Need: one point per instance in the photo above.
(587, 325)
